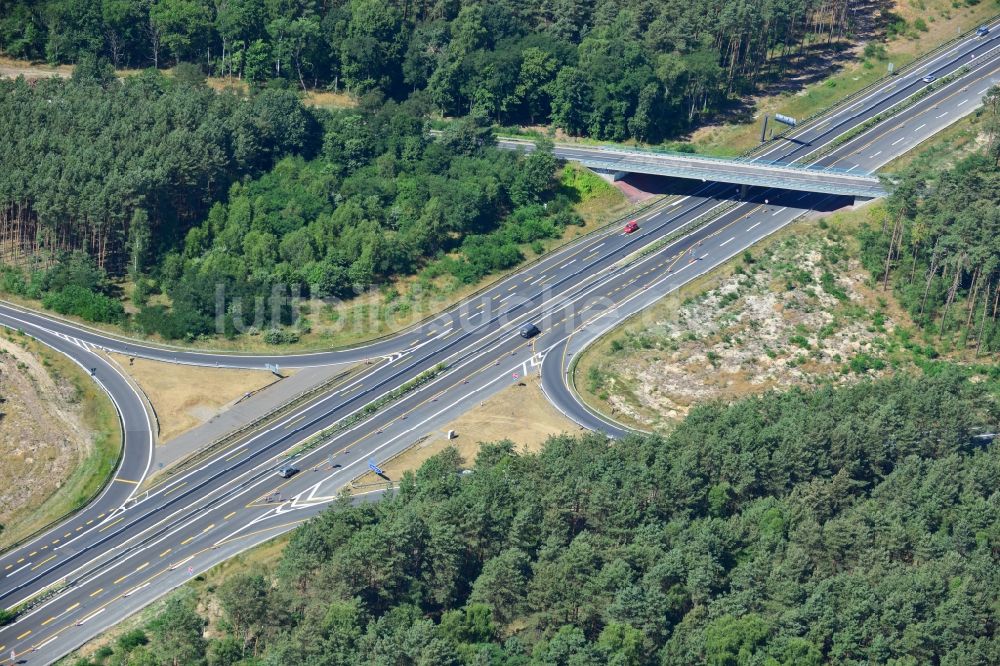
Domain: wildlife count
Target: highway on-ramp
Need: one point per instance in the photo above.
(95, 573)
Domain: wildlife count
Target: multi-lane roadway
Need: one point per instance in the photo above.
(127, 549)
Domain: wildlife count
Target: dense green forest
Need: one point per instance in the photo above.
(938, 247)
(612, 69)
(189, 191)
(855, 526)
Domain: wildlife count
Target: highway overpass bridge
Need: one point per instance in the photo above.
(746, 172)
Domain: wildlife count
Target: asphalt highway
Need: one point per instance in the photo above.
(703, 251)
(99, 567)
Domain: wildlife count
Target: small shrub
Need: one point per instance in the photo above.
(862, 363)
(281, 336)
(799, 341)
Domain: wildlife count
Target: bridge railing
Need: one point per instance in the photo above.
(695, 157)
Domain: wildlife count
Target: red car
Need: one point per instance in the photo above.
(631, 226)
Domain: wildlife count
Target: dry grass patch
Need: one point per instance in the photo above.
(520, 413)
(329, 100)
(185, 396)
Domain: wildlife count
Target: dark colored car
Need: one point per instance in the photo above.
(529, 331)
(982, 31)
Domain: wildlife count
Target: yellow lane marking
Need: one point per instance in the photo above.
(73, 606)
(208, 528)
(187, 541)
(19, 561)
(175, 489)
(266, 529)
(51, 619)
(164, 553)
(118, 580)
(96, 592)
(142, 566)
(110, 525)
(27, 633)
(47, 559)
(8, 567)
(134, 483)
(229, 515)
(237, 454)
(33, 553)
(479, 307)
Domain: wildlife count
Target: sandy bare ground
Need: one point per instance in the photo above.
(42, 435)
(185, 396)
(799, 313)
(520, 413)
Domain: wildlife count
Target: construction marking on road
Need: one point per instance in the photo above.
(110, 525)
(47, 559)
(171, 491)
